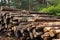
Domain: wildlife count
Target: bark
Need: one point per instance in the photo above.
(9, 9)
(49, 24)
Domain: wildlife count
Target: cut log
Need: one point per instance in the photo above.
(46, 19)
(55, 39)
(49, 24)
(9, 9)
(57, 31)
(47, 29)
(35, 12)
(52, 33)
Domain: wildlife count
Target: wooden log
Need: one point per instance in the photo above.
(38, 34)
(58, 35)
(28, 38)
(48, 24)
(35, 12)
(34, 32)
(57, 31)
(45, 36)
(51, 33)
(55, 39)
(9, 9)
(46, 19)
(47, 29)
(30, 33)
(14, 28)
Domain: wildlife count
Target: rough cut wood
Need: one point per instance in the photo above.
(55, 39)
(43, 20)
(47, 29)
(49, 24)
(58, 35)
(46, 19)
(51, 33)
(9, 9)
(31, 25)
(57, 31)
(35, 12)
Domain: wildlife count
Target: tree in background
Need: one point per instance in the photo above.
(16, 4)
(3, 3)
(25, 4)
(53, 9)
(32, 5)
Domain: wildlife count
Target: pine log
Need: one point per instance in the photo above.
(47, 29)
(58, 35)
(35, 12)
(9, 9)
(55, 39)
(52, 33)
(49, 24)
(57, 31)
(46, 19)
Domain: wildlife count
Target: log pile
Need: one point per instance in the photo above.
(26, 25)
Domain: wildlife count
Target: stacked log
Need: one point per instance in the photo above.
(42, 26)
(3, 8)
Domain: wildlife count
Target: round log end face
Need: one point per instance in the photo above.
(51, 33)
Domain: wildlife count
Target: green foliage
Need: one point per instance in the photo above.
(53, 2)
(35, 5)
(53, 10)
(25, 4)
(49, 9)
(57, 8)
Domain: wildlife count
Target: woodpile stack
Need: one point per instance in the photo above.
(26, 25)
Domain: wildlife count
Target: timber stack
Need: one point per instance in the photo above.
(29, 25)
